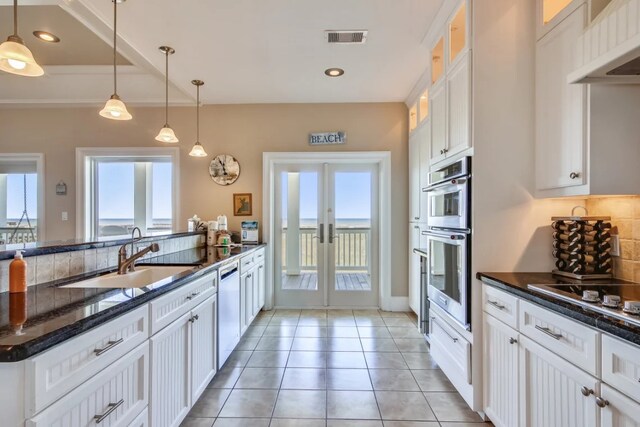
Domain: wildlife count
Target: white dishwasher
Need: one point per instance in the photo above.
(228, 311)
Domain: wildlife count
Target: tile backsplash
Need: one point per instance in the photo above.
(45, 268)
(625, 218)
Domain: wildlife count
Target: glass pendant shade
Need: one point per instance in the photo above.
(198, 151)
(15, 57)
(167, 135)
(115, 109)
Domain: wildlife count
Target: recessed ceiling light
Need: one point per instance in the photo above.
(46, 36)
(334, 72)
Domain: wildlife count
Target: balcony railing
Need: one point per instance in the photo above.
(352, 248)
(23, 235)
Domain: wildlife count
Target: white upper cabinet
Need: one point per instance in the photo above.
(419, 146)
(550, 13)
(561, 108)
(438, 104)
(459, 106)
(413, 117)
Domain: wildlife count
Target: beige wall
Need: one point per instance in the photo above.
(244, 131)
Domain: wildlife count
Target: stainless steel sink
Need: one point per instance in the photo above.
(143, 276)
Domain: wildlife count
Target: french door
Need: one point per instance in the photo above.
(326, 235)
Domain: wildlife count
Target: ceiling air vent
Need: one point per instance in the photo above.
(346, 36)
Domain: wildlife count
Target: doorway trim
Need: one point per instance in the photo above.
(383, 159)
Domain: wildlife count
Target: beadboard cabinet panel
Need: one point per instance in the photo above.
(203, 355)
(621, 366)
(619, 410)
(459, 106)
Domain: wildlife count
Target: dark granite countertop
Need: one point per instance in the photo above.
(517, 284)
(55, 246)
(48, 314)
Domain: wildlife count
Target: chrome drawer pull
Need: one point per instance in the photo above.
(110, 345)
(194, 294)
(586, 391)
(496, 304)
(112, 407)
(512, 340)
(194, 318)
(548, 332)
(601, 402)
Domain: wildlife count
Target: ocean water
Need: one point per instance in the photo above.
(340, 223)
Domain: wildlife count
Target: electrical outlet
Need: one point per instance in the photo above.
(65, 216)
(615, 245)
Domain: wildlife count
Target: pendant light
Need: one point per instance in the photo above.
(198, 149)
(15, 57)
(166, 133)
(115, 109)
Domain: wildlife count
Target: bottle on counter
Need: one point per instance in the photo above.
(18, 274)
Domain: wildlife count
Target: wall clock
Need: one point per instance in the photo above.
(224, 169)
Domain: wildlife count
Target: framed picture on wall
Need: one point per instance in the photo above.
(242, 204)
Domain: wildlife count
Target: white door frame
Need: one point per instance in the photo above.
(382, 158)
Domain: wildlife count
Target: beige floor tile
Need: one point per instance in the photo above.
(411, 424)
(400, 321)
(307, 359)
(274, 343)
(320, 314)
(313, 321)
(405, 332)
(451, 407)
(305, 379)
(355, 405)
(210, 403)
(370, 321)
(287, 312)
(283, 321)
(311, 331)
(393, 314)
(344, 344)
(341, 321)
(225, 378)
(261, 321)
(248, 344)
(268, 359)
(309, 344)
(366, 312)
(348, 379)
(393, 380)
(280, 331)
(250, 403)
(340, 313)
(419, 361)
(411, 345)
(346, 359)
(260, 378)
(479, 424)
(354, 423)
(432, 380)
(374, 332)
(301, 404)
(379, 344)
(238, 359)
(197, 422)
(297, 422)
(255, 331)
(242, 422)
(343, 332)
(385, 361)
(404, 405)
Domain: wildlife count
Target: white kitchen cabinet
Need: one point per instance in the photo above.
(501, 372)
(414, 177)
(561, 108)
(551, 390)
(550, 13)
(246, 299)
(203, 337)
(438, 103)
(262, 279)
(459, 106)
(170, 360)
(414, 268)
(617, 410)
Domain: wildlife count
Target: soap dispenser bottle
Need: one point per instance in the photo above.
(18, 274)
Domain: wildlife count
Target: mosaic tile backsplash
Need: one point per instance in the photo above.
(625, 218)
(45, 268)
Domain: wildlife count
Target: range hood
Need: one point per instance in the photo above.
(609, 49)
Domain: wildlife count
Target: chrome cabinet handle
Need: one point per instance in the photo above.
(548, 332)
(109, 346)
(416, 217)
(601, 402)
(586, 391)
(112, 407)
(194, 318)
(574, 175)
(446, 150)
(441, 151)
(496, 304)
(194, 294)
(512, 340)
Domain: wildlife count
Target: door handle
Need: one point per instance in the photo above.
(332, 236)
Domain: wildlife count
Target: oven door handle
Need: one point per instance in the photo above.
(442, 186)
(445, 235)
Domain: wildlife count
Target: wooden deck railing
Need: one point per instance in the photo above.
(23, 235)
(352, 248)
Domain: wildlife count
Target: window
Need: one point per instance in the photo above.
(19, 198)
(127, 190)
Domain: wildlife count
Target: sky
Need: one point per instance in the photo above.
(15, 195)
(352, 195)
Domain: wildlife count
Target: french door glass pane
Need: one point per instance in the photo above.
(19, 222)
(299, 226)
(115, 198)
(161, 206)
(353, 222)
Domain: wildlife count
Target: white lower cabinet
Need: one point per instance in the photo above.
(203, 339)
(141, 420)
(617, 410)
(170, 357)
(113, 397)
(246, 300)
(501, 372)
(553, 392)
(262, 279)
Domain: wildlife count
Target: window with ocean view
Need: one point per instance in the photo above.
(18, 207)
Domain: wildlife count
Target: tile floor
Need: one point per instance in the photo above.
(335, 368)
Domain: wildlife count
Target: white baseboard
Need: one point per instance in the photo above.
(396, 304)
